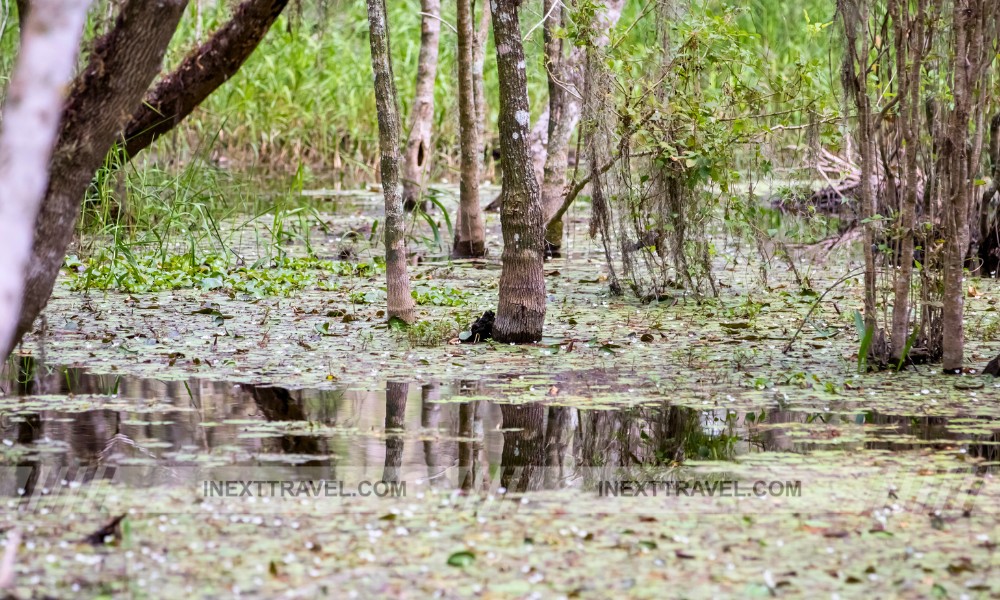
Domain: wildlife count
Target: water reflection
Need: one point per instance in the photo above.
(69, 418)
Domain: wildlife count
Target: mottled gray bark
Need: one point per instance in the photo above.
(400, 302)
(974, 30)
(521, 309)
(50, 44)
(470, 241)
(417, 158)
(122, 65)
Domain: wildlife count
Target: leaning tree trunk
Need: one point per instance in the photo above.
(201, 73)
(120, 69)
(521, 309)
(417, 158)
(400, 302)
(470, 239)
(50, 44)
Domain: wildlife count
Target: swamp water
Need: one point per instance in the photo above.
(206, 443)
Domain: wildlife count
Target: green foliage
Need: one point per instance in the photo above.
(122, 271)
(306, 94)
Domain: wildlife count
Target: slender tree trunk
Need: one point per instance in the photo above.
(565, 74)
(400, 302)
(419, 150)
(909, 59)
(521, 310)
(395, 421)
(470, 239)
(121, 67)
(50, 45)
(201, 73)
(478, 62)
(855, 73)
(972, 19)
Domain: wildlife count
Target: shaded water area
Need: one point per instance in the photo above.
(72, 424)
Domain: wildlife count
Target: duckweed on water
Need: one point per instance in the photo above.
(125, 272)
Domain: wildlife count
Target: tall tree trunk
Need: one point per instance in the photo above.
(478, 62)
(121, 67)
(855, 78)
(201, 73)
(521, 309)
(470, 241)
(400, 302)
(50, 45)
(909, 31)
(565, 74)
(417, 159)
(972, 19)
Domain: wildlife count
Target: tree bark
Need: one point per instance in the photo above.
(909, 58)
(855, 78)
(400, 302)
(971, 58)
(470, 241)
(417, 159)
(121, 67)
(521, 309)
(201, 73)
(478, 62)
(565, 74)
(50, 44)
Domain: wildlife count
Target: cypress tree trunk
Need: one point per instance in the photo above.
(121, 67)
(470, 239)
(417, 159)
(50, 44)
(521, 309)
(201, 73)
(400, 302)
(974, 29)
